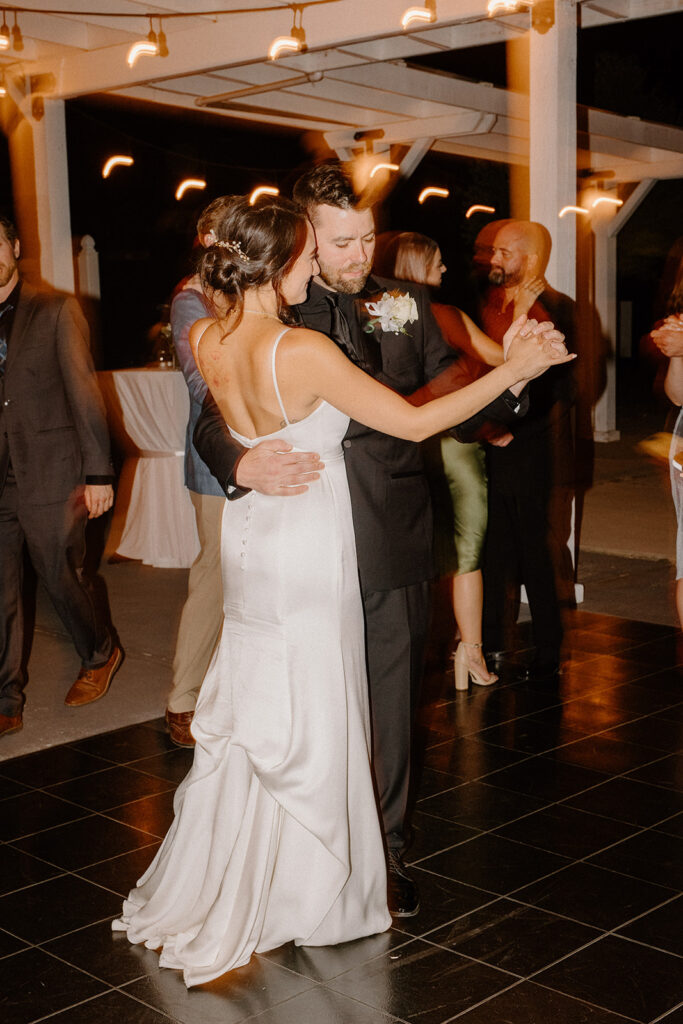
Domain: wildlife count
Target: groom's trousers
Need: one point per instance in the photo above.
(396, 623)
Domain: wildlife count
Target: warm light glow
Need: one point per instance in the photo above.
(571, 209)
(4, 42)
(443, 193)
(188, 183)
(263, 190)
(3, 90)
(144, 47)
(417, 14)
(478, 208)
(383, 167)
(116, 161)
(283, 44)
(607, 199)
(502, 7)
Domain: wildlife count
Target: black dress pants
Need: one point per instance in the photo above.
(54, 536)
(396, 623)
(519, 548)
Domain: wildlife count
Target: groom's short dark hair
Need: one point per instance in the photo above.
(8, 227)
(325, 184)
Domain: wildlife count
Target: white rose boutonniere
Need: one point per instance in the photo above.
(392, 312)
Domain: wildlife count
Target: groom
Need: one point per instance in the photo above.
(389, 495)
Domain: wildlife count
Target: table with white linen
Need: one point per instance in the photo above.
(154, 518)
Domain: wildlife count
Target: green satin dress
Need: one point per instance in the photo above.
(457, 477)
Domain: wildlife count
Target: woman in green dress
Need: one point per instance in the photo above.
(457, 470)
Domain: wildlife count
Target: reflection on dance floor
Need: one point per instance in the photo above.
(548, 847)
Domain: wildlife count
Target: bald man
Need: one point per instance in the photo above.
(530, 480)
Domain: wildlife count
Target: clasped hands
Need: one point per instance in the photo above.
(668, 337)
(532, 347)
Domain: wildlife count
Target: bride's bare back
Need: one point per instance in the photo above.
(238, 369)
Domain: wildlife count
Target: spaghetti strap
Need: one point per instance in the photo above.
(210, 324)
(277, 390)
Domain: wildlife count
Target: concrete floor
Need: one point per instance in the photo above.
(627, 543)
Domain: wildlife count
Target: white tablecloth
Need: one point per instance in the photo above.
(148, 412)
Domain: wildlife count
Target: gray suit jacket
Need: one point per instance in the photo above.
(53, 426)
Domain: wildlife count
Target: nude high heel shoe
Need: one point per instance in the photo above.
(464, 671)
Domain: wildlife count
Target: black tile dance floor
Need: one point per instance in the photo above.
(548, 846)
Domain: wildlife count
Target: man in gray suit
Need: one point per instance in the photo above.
(55, 473)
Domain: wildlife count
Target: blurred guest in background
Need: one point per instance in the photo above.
(531, 478)
(457, 470)
(55, 473)
(202, 616)
(668, 337)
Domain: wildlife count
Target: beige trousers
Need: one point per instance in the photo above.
(202, 617)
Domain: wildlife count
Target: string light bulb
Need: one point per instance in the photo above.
(295, 42)
(116, 161)
(17, 38)
(161, 41)
(263, 190)
(152, 36)
(425, 14)
(572, 209)
(383, 167)
(612, 201)
(140, 49)
(432, 190)
(4, 32)
(187, 184)
(495, 7)
(542, 11)
(479, 208)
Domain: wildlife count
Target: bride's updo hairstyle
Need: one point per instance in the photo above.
(254, 246)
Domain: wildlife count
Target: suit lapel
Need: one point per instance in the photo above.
(22, 317)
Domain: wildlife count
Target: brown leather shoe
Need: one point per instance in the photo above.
(179, 723)
(93, 683)
(10, 723)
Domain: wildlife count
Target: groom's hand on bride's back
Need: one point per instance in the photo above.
(273, 467)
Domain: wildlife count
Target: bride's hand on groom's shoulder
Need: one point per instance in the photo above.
(273, 467)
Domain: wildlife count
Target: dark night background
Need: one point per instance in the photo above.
(144, 236)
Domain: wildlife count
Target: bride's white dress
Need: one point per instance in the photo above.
(276, 833)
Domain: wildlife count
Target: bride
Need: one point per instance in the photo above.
(276, 833)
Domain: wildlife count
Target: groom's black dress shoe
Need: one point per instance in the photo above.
(546, 671)
(402, 892)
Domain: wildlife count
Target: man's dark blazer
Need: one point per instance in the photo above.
(389, 491)
(542, 445)
(53, 425)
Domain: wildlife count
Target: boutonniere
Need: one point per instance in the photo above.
(392, 312)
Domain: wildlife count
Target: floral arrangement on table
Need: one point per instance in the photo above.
(392, 312)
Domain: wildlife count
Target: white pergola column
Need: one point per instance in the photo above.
(606, 225)
(552, 154)
(552, 139)
(40, 182)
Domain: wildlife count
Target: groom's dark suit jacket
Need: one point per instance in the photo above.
(389, 492)
(53, 426)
